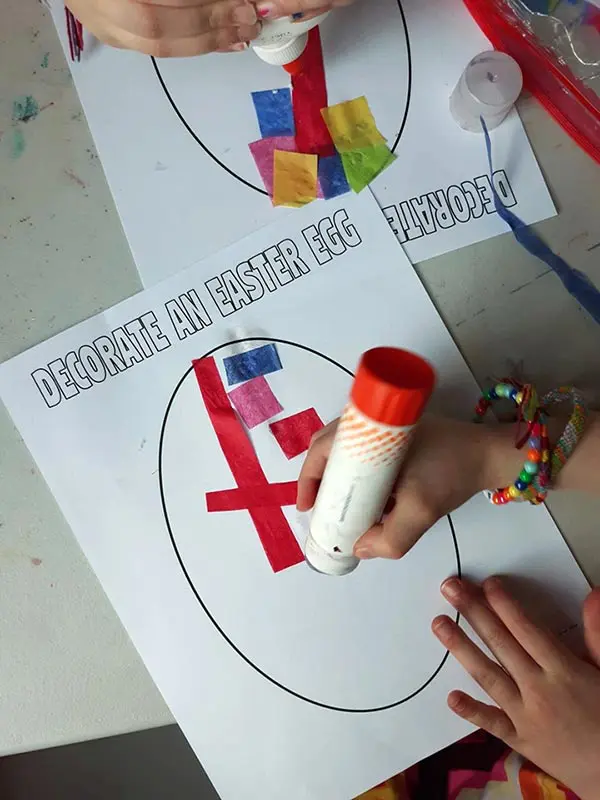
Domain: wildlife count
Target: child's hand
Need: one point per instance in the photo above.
(169, 27)
(186, 27)
(448, 463)
(302, 9)
(549, 700)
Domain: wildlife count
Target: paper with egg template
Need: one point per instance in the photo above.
(173, 135)
(169, 429)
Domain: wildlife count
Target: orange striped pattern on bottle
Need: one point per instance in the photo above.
(368, 441)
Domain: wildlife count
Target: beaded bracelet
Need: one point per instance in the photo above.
(533, 481)
(541, 468)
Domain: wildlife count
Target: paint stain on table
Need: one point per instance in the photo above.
(44, 61)
(16, 143)
(25, 108)
(74, 177)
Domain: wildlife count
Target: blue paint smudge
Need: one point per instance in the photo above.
(44, 61)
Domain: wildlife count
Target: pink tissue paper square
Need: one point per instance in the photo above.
(255, 402)
(263, 153)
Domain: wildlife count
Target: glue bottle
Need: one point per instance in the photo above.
(282, 41)
(389, 393)
(488, 88)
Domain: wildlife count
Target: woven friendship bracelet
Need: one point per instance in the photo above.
(573, 432)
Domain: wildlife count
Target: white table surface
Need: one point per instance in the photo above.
(67, 669)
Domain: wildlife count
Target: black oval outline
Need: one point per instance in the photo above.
(193, 588)
(233, 174)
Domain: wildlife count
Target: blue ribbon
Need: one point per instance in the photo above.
(575, 282)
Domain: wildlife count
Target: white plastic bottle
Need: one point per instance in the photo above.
(390, 391)
(489, 87)
(282, 41)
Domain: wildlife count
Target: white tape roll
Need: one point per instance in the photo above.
(488, 88)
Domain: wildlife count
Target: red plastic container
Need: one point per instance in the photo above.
(571, 99)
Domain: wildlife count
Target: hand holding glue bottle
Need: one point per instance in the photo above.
(281, 42)
(388, 396)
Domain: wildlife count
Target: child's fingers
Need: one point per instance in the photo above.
(411, 516)
(494, 681)
(274, 9)
(544, 648)
(469, 600)
(217, 40)
(304, 16)
(165, 28)
(314, 467)
(489, 718)
(591, 624)
(157, 21)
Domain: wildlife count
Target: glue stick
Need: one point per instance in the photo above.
(389, 393)
(282, 41)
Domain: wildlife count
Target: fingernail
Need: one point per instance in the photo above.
(298, 15)
(244, 15)
(364, 553)
(451, 588)
(441, 626)
(265, 10)
(238, 47)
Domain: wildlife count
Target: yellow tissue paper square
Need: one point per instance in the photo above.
(352, 125)
(294, 178)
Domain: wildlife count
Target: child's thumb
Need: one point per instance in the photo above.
(591, 624)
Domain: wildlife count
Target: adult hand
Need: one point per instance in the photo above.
(170, 27)
(547, 699)
(448, 462)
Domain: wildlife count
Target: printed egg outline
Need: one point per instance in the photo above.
(240, 178)
(209, 614)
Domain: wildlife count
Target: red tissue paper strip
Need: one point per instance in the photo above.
(294, 433)
(274, 494)
(309, 96)
(277, 538)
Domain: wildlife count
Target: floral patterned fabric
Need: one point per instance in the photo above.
(477, 768)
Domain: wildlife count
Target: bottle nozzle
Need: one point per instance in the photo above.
(328, 563)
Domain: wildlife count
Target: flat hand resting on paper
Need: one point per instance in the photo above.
(449, 462)
(547, 700)
(185, 27)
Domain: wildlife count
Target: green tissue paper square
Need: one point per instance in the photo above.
(364, 165)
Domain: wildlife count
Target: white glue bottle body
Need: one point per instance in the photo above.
(282, 41)
(389, 393)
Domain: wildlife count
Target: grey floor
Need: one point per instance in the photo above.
(150, 765)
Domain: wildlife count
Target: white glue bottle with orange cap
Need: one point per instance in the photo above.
(388, 396)
(281, 42)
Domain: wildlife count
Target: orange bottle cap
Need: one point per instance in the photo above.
(392, 386)
(294, 67)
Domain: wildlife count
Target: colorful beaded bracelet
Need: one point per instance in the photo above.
(541, 468)
(533, 481)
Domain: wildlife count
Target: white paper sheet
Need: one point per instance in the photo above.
(185, 193)
(291, 684)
